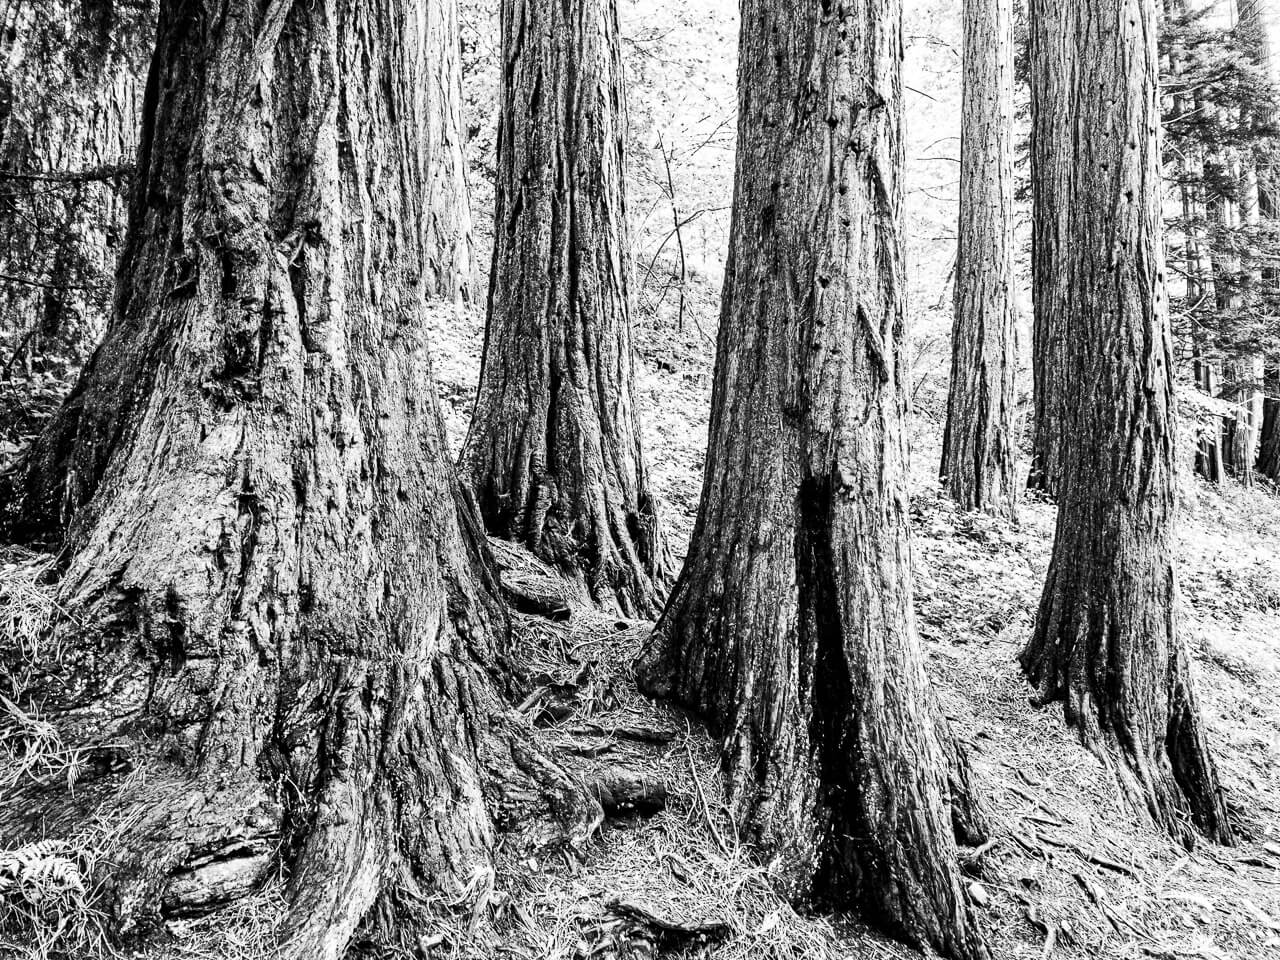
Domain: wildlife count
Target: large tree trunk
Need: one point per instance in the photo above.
(554, 453)
(286, 619)
(1050, 189)
(1106, 639)
(978, 447)
(790, 628)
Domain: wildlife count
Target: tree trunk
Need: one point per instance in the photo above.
(790, 628)
(1269, 446)
(1250, 398)
(1050, 191)
(978, 448)
(554, 453)
(286, 617)
(1106, 639)
(70, 94)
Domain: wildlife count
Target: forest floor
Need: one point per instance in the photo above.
(1071, 872)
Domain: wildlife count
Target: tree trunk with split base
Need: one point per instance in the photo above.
(978, 446)
(790, 628)
(554, 453)
(1106, 641)
(284, 616)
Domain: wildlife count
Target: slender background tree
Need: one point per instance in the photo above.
(978, 445)
(1049, 38)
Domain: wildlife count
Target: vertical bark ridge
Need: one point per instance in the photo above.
(1050, 31)
(554, 452)
(1106, 641)
(790, 628)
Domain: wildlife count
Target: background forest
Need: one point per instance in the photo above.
(1069, 869)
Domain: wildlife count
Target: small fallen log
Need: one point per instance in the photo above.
(622, 792)
(638, 732)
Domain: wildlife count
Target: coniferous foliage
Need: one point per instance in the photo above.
(1220, 112)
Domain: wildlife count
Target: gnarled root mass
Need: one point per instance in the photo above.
(372, 780)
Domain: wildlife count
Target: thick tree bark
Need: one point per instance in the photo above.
(286, 618)
(790, 628)
(1050, 189)
(70, 95)
(554, 453)
(978, 447)
(1106, 640)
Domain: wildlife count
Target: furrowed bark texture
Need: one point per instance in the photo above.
(70, 96)
(1050, 186)
(978, 447)
(286, 615)
(554, 453)
(1106, 640)
(791, 628)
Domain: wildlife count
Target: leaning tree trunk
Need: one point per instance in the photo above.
(791, 628)
(1050, 190)
(554, 453)
(978, 447)
(1106, 639)
(285, 619)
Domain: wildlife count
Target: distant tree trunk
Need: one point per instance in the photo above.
(1106, 640)
(791, 628)
(1050, 189)
(70, 96)
(978, 448)
(447, 203)
(1251, 401)
(554, 453)
(1269, 446)
(285, 613)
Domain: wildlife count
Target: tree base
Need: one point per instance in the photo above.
(1168, 775)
